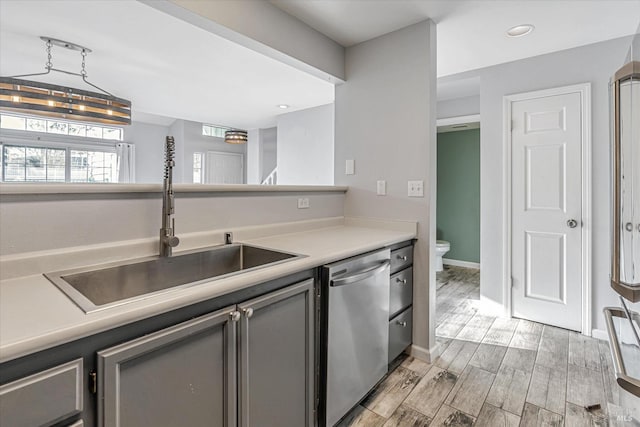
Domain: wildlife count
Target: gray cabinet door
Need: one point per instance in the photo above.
(184, 375)
(43, 398)
(276, 364)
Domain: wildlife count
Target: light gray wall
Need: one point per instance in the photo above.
(177, 131)
(149, 143)
(261, 26)
(189, 139)
(254, 156)
(269, 150)
(594, 64)
(385, 121)
(305, 146)
(467, 106)
(45, 222)
(196, 142)
(261, 154)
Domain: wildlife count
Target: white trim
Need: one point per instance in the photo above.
(600, 334)
(458, 120)
(456, 263)
(423, 354)
(584, 89)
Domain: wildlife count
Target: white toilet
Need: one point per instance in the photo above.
(442, 247)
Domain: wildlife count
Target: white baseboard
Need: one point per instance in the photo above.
(457, 263)
(423, 354)
(600, 334)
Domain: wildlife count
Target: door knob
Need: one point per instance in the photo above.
(572, 223)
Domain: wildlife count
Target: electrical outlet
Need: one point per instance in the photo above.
(382, 188)
(416, 189)
(303, 203)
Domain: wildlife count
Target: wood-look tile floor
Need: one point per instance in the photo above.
(495, 372)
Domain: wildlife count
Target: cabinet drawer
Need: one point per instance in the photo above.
(43, 398)
(400, 328)
(401, 258)
(400, 291)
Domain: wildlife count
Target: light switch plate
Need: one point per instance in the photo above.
(381, 188)
(350, 167)
(416, 189)
(303, 203)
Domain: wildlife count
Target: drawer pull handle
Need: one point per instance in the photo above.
(401, 281)
(234, 316)
(401, 323)
(248, 312)
(402, 257)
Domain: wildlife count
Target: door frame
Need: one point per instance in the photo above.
(206, 163)
(584, 89)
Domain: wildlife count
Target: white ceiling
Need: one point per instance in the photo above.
(471, 33)
(165, 66)
(172, 69)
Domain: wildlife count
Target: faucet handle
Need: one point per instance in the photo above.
(172, 241)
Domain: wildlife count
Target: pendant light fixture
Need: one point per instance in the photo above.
(235, 136)
(27, 96)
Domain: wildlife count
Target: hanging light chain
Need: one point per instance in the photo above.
(49, 63)
(83, 72)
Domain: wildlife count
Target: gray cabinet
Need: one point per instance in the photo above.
(182, 375)
(276, 368)
(44, 398)
(250, 364)
(400, 300)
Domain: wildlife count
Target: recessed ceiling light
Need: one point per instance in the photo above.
(520, 30)
(283, 106)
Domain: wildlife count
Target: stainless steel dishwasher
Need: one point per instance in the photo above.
(355, 325)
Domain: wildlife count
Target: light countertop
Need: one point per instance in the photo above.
(36, 315)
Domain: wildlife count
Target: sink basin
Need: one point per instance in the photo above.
(113, 284)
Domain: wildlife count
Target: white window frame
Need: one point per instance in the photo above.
(68, 122)
(214, 129)
(202, 166)
(35, 139)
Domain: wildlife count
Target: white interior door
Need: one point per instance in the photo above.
(224, 168)
(546, 195)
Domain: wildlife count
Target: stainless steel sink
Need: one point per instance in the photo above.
(113, 284)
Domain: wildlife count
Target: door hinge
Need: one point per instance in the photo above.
(93, 382)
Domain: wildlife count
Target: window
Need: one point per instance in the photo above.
(211, 130)
(197, 168)
(60, 127)
(33, 164)
(51, 164)
(93, 166)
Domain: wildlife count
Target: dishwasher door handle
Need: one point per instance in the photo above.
(361, 275)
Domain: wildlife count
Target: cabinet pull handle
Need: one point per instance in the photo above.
(401, 281)
(248, 312)
(234, 316)
(402, 257)
(93, 382)
(402, 323)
